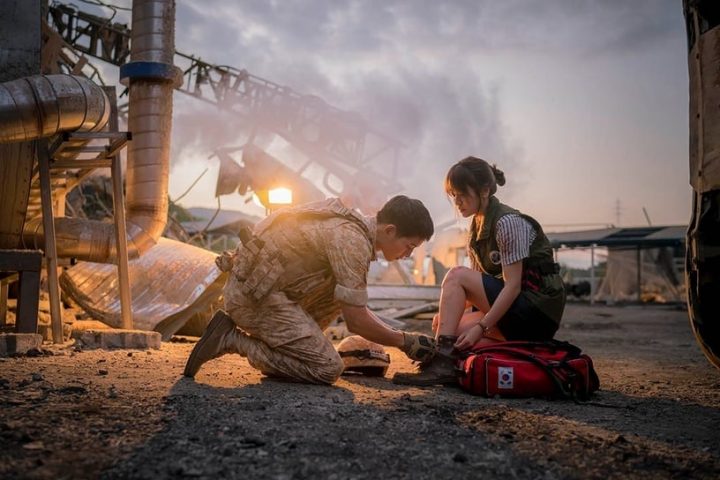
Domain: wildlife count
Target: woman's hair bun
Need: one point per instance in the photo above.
(498, 174)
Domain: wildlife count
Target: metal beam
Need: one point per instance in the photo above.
(126, 313)
(50, 251)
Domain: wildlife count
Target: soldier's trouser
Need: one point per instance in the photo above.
(283, 340)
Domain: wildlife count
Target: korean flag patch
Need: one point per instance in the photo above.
(505, 377)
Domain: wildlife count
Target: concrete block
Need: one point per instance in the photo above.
(117, 338)
(18, 343)
(75, 329)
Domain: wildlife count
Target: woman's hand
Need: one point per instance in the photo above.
(470, 338)
(436, 323)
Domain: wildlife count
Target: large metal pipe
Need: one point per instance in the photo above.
(150, 120)
(44, 105)
(151, 75)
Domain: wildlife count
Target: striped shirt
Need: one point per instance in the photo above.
(514, 235)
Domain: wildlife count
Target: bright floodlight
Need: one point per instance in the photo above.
(280, 196)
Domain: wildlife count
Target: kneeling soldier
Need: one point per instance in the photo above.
(295, 273)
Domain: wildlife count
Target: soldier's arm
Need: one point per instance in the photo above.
(361, 321)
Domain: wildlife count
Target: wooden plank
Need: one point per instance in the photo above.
(411, 311)
(393, 304)
(423, 293)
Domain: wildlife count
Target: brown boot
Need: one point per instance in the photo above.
(215, 342)
(440, 370)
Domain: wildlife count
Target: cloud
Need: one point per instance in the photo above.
(415, 70)
(384, 61)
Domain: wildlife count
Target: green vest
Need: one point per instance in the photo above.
(485, 256)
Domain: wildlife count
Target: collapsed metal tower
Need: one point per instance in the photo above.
(340, 141)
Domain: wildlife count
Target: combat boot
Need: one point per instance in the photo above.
(440, 370)
(218, 339)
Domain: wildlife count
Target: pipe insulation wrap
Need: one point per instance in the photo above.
(150, 121)
(153, 31)
(45, 105)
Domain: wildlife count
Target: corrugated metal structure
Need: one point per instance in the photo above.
(169, 284)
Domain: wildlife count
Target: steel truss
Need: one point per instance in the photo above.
(325, 134)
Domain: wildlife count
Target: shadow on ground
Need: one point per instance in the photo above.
(276, 429)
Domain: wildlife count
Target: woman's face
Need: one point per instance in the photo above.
(467, 203)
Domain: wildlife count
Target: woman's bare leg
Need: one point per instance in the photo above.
(459, 285)
(468, 321)
(471, 319)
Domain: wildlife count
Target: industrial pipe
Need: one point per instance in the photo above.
(45, 105)
(151, 78)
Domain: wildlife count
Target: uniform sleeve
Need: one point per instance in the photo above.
(514, 235)
(349, 252)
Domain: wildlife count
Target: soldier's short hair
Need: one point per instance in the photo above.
(409, 216)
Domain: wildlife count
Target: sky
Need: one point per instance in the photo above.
(582, 103)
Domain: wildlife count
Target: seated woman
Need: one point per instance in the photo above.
(513, 287)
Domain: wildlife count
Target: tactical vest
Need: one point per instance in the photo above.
(541, 281)
(277, 253)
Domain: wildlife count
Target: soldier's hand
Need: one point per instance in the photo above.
(418, 346)
(225, 261)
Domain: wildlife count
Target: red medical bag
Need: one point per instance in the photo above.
(550, 369)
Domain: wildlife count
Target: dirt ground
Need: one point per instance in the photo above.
(130, 414)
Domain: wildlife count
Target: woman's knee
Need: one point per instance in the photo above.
(454, 277)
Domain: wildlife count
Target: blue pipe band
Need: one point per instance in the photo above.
(149, 70)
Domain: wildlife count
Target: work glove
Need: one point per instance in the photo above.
(418, 346)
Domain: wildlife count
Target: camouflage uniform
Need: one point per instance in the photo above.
(285, 292)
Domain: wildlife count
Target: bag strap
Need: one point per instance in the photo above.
(572, 350)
